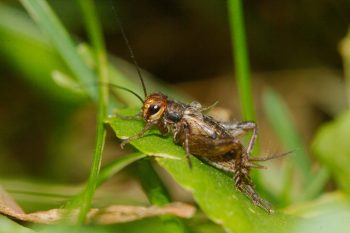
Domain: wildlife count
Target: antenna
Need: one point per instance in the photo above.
(129, 48)
(125, 89)
(115, 86)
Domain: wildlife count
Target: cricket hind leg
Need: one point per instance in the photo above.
(266, 158)
(241, 128)
(224, 163)
(240, 168)
(244, 184)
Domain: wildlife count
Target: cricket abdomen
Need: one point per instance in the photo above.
(212, 148)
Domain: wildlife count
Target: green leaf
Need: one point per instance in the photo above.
(330, 213)
(115, 166)
(214, 192)
(212, 189)
(7, 225)
(331, 145)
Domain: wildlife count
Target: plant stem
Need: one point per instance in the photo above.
(242, 68)
(241, 62)
(94, 30)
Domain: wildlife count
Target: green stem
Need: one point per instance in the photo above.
(241, 61)
(241, 64)
(93, 27)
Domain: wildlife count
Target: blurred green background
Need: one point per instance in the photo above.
(299, 84)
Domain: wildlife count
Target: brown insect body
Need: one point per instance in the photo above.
(215, 142)
(200, 134)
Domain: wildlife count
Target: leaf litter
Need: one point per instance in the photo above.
(108, 215)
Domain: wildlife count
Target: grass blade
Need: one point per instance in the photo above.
(42, 13)
(95, 34)
(241, 61)
(281, 120)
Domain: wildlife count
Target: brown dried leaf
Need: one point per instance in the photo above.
(8, 205)
(120, 213)
(108, 215)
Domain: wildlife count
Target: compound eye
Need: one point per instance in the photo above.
(153, 109)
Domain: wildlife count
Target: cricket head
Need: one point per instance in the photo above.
(154, 107)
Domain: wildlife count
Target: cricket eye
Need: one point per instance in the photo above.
(153, 109)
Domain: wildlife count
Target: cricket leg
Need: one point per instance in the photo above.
(229, 165)
(136, 136)
(223, 165)
(266, 158)
(248, 189)
(199, 107)
(187, 149)
(245, 185)
(205, 109)
(241, 128)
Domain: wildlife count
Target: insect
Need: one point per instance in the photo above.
(217, 143)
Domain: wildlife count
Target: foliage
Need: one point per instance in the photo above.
(212, 189)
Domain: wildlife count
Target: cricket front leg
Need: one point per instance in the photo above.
(136, 136)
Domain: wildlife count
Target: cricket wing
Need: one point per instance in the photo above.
(205, 138)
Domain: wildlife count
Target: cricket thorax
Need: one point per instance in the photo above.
(174, 111)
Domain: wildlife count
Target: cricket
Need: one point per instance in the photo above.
(214, 142)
